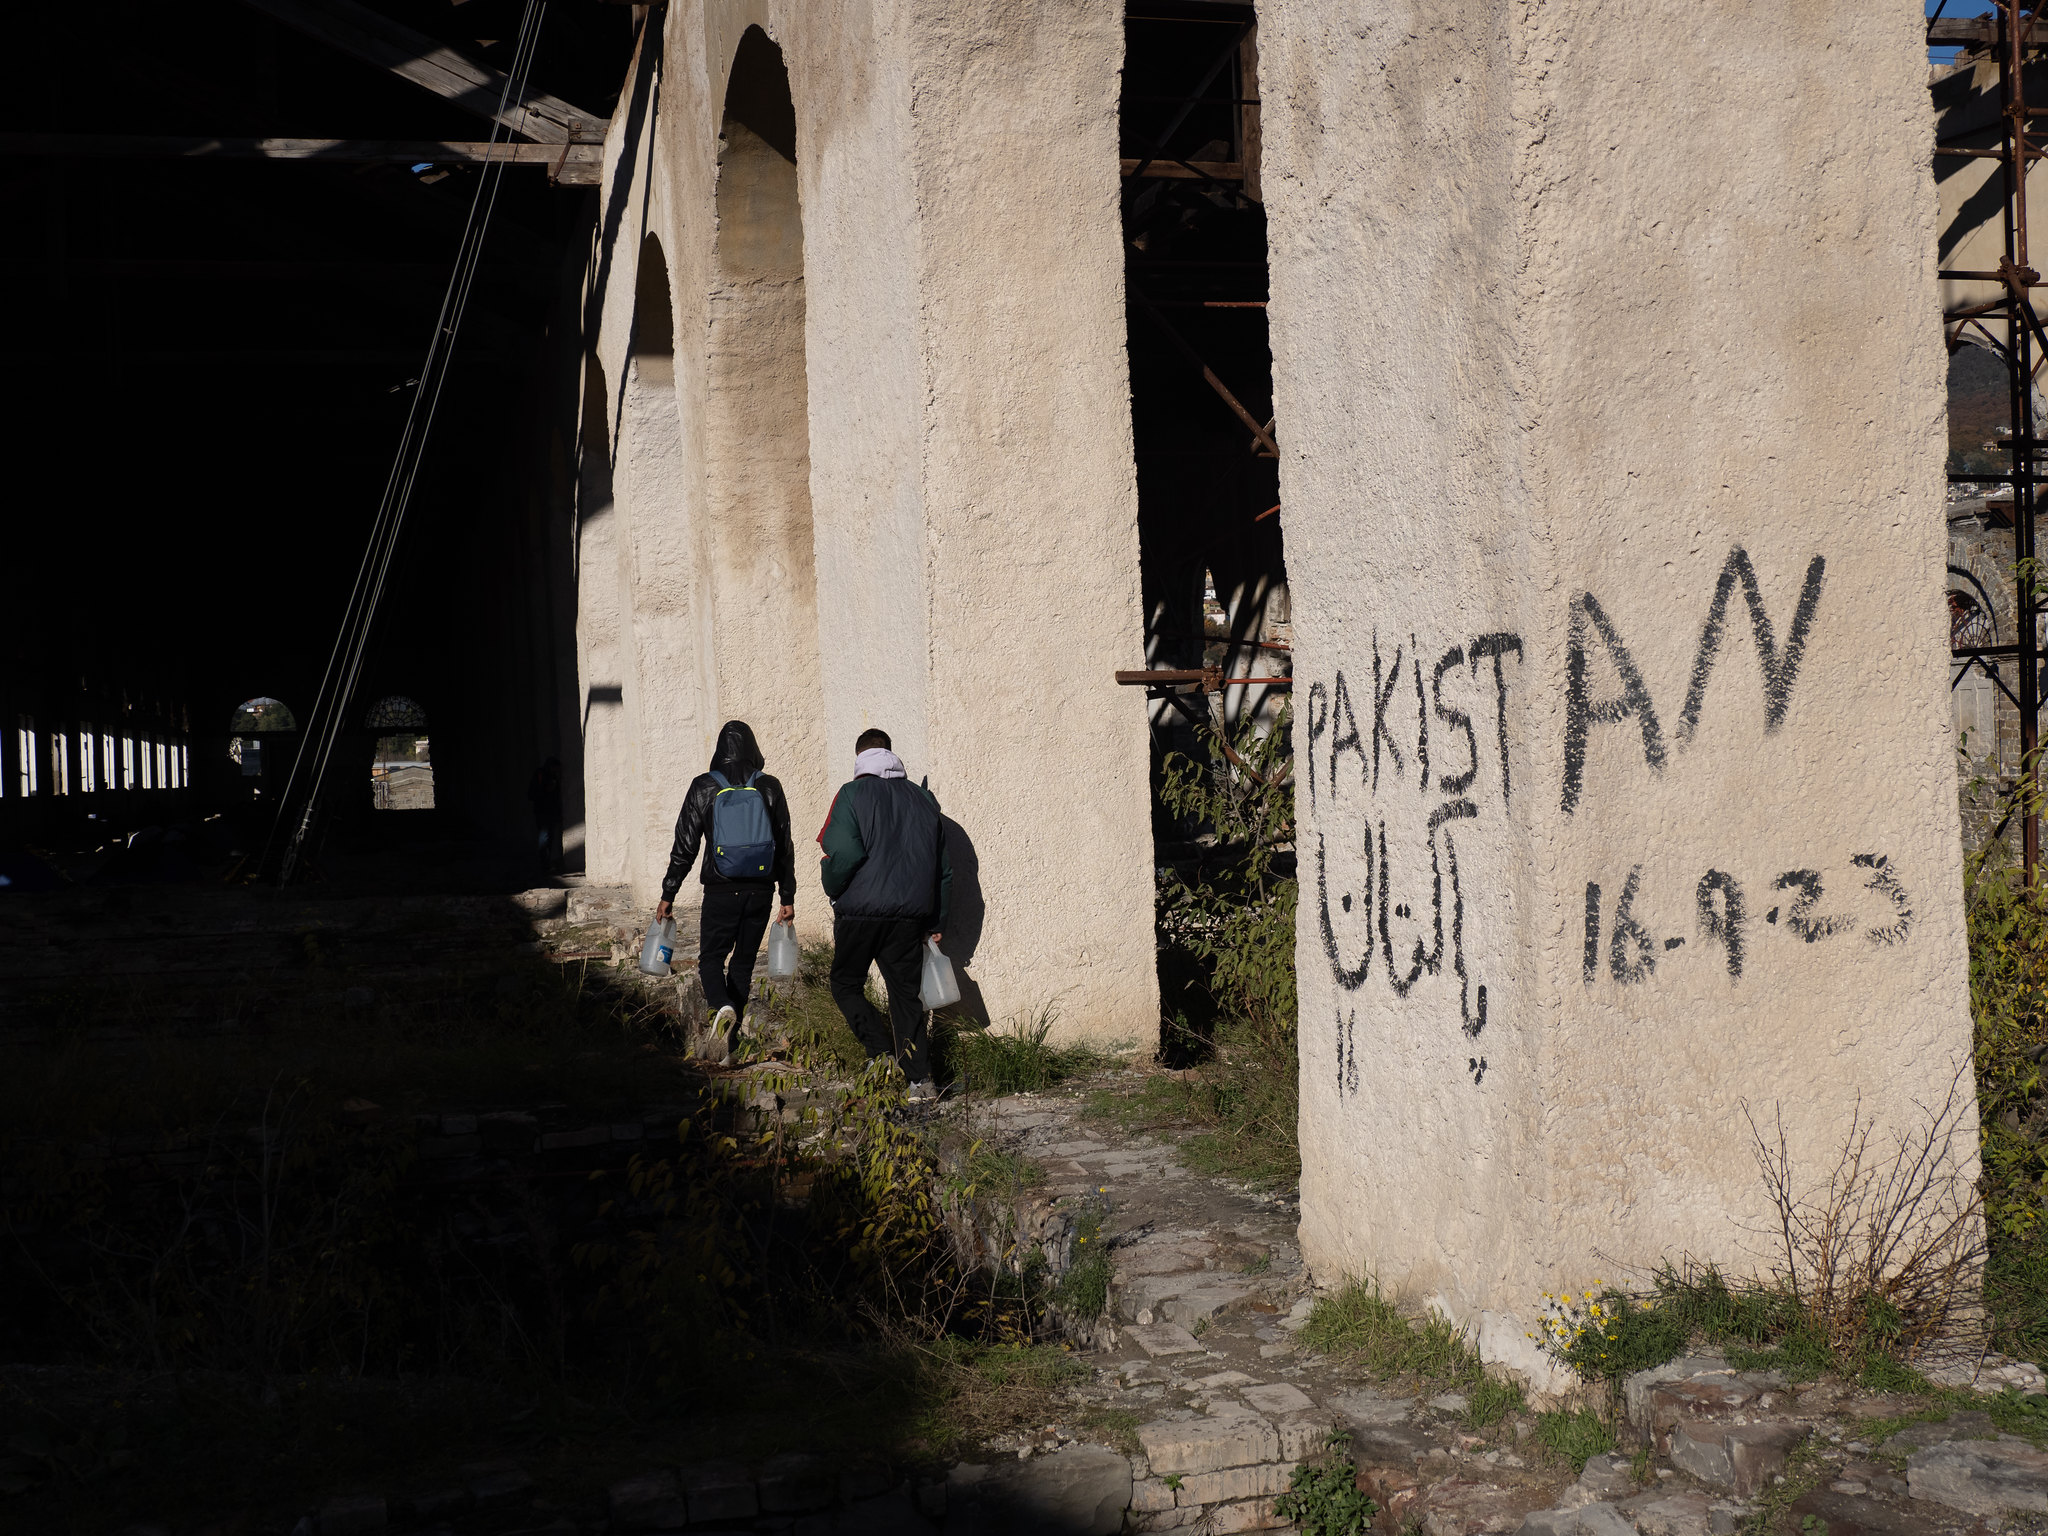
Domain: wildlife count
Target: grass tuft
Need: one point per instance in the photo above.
(1361, 1325)
(815, 1024)
(1489, 1400)
(1020, 1058)
(1575, 1436)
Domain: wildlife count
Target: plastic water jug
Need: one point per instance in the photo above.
(782, 956)
(940, 986)
(660, 947)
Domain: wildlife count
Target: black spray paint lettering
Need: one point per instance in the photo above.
(1458, 720)
(1496, 646)
(1800, 918)
(1780, 669)
(1629, 934)
(1350, 980)
(1421, 718)
(1422, 961)
(1882, 879)
(1430, 961)
(1343, 733)
(1317, 725)
(1721, 922)
(1581, 713)
(1476, 1065)
(1347, 1052)
(1472, 1023)
(1723, 915)
(1381, 697)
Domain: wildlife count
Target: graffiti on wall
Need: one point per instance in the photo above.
(1432, 721)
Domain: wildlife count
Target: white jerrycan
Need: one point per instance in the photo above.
(660, 947)
(940, 986)
(782, 955)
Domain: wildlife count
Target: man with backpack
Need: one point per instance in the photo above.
(885, 869)
(741, 816)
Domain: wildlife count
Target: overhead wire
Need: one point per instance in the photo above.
(345, 660)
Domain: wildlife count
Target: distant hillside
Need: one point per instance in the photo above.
(1977, 403)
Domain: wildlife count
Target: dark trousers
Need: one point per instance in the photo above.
(896, 944)
(735, 917)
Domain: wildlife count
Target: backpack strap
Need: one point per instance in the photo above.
(720, 779)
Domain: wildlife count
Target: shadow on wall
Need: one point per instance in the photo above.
(965, 914)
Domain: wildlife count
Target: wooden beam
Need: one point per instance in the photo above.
(362, 33)
(1952, 31)
(1174, 170)
(576, 165)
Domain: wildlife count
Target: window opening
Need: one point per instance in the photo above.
(402, 775)
(261, 713)
(60, 763)
(25, 738)
(127, 761)
(107, 760)
(402, 769)
(88, 780)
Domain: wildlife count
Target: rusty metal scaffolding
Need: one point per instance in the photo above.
(2009, 35)
(1218, 77)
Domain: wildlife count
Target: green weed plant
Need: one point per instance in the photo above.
(1323, 1497)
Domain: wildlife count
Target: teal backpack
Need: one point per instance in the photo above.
(742, 837)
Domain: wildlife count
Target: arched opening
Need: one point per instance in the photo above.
(642, 712)
(402, 766)
(253, 720)
(757, 433)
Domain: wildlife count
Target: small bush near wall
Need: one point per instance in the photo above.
(1226, 919)
(2008, 927)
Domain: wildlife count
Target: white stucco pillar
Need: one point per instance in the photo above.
(1609, 376)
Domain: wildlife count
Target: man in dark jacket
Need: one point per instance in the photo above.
(735, 907)
(885, 869)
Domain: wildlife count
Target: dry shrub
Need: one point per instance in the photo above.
(1888, 1253)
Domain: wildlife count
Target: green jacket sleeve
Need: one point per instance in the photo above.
(840, 839)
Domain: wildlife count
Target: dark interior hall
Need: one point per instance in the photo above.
(210, 360)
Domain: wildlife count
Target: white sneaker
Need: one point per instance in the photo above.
(920, 1092)
(723, 1020)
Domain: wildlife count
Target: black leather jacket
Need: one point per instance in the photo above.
(737, 757)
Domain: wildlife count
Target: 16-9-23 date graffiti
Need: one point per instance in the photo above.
(1392, 752)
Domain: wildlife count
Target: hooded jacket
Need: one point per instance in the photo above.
(885, 850)
(737, 757)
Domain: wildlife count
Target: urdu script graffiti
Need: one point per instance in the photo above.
(1401, 913)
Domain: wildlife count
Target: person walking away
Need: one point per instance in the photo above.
(885, 869)
(741, 816)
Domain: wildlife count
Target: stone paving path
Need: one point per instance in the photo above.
(1200, 1360)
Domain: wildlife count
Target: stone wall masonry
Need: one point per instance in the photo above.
(1614, 525)
(971, 498)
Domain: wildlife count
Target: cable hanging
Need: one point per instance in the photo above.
(351, 642)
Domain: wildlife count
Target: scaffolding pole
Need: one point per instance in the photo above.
(2011, 41)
